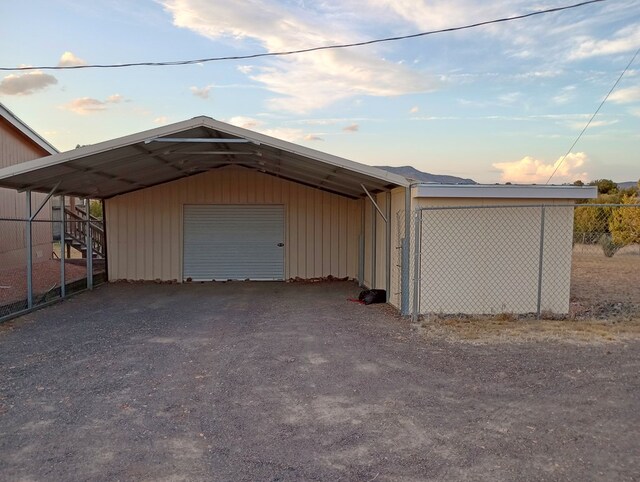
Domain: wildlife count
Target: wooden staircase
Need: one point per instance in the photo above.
(75, 232)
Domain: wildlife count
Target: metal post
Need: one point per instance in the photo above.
(374, 245)
(63, 230)
(388, 246)
(540, 259)
(89, 247)
(29, 254)
(417, 252)
(362, 247)
(406, 250)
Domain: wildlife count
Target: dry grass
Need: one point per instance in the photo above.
(499, 329)
(605, 307)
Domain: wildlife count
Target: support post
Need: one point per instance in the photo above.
(374, 245)
(63, 230)
(406, 249)
(362, 245)
(89, 246)
(388, 246)
(29, 241)
(540, 260)
(417, 251)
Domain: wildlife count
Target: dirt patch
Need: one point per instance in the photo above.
(597, 279)
(46, 276)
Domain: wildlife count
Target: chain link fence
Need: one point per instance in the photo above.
(547, 260)
(58, 263)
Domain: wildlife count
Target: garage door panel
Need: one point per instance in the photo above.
(233, 242)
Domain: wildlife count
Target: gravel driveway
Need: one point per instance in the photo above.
(272, 381)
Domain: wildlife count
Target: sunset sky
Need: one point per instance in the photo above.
(496, 103)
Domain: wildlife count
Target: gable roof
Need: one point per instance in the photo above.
(187, 148)
(16, 122)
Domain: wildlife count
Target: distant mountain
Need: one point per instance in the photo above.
(627, 185)
(412, 173)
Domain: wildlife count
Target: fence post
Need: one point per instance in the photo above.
(417, 252)
(89, 248)
(63, 230)
(404, 264)
(29, 241)
(540, 259)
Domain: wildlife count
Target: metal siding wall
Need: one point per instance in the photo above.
(397, 232)
(145, 227)
(14, 149)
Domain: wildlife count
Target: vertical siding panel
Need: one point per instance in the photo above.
(301, 201)
(335, 235)
(343, 242)
(318, 236)
(311, 240)
(326, 234)
(293, 230)
(287, 228)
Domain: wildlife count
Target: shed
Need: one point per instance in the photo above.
(20, 143)
(203, 200)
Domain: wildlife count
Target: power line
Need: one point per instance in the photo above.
(301, 51)
(594, 114)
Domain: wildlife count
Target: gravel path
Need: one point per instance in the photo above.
(272, 381)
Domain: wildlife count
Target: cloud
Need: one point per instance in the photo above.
(303, 82)
(285, 133)
(161, 120)
(202, 92)
(89, 105)
(245, 69)
(351, 128)
(27, 83)
(414, 110)
(625, 96)
(625, 40)
(565, 95)
(579, 125)
(68, 59)
(529, 170)
(245, 122)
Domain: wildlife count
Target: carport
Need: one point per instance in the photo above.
(204, 200)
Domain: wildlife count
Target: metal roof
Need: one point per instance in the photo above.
(16, 122)
(188, 148)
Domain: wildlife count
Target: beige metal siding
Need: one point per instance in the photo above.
(397, 233)
(144, 228)
(482, 257)
(14, 149)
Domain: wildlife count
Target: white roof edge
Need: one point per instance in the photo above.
(202, 121)
(19, 124)
(510, 191)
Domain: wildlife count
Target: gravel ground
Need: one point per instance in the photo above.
(273, 381)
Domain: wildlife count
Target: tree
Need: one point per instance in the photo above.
(590, 222)
(580, 183)
(605, 186)
(624, 224)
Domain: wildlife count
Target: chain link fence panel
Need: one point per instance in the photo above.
(543, 259)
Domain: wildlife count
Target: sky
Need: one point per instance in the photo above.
(498, 103)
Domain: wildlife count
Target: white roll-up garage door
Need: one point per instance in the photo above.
(238, 242)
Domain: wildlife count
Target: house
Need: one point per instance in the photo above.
(19, 143)
(203, 200)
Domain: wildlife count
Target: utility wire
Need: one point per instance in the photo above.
(301, 51)
(594, 115)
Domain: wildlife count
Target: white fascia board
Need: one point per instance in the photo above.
(19, 124)
(503, 191)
